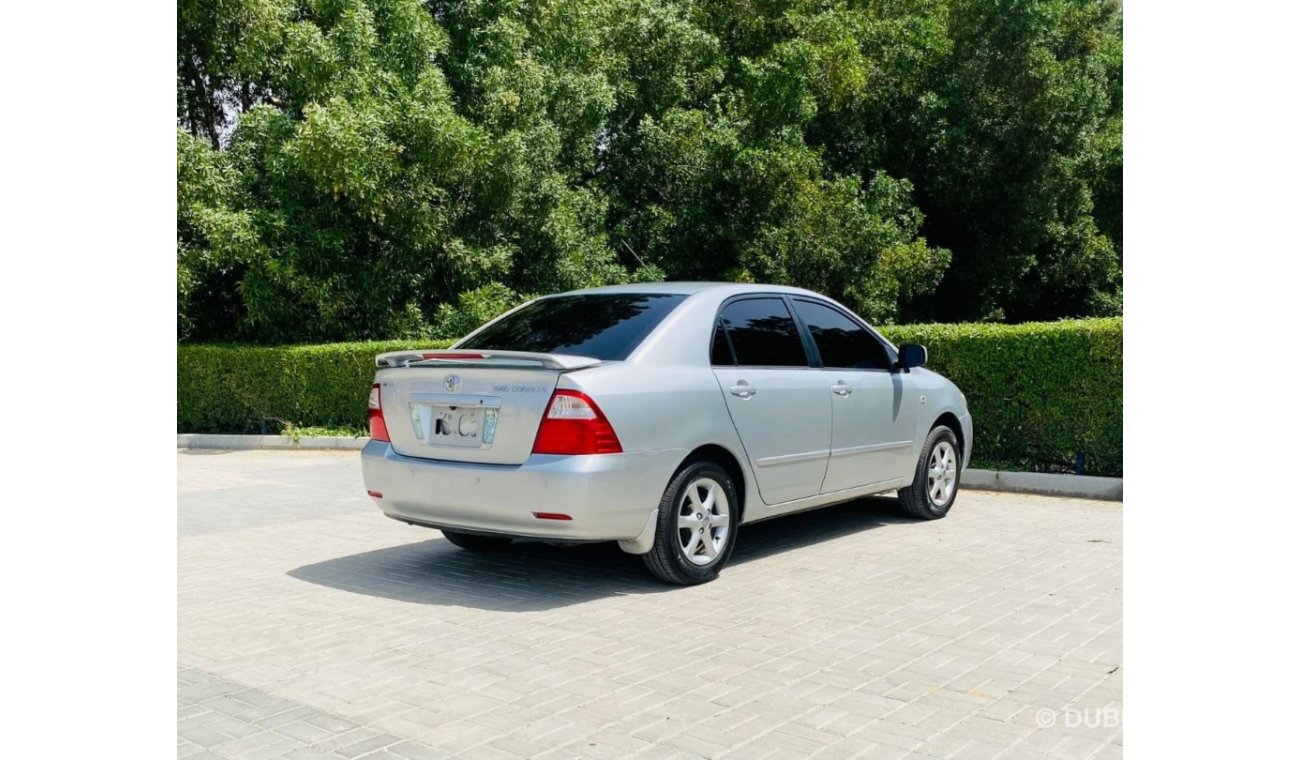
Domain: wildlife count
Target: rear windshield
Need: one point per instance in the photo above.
(603, 326)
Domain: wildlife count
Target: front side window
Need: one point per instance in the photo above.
(842, 343)
(605, 326)
(763, 333)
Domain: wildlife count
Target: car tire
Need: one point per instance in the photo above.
(474, 542)
(938, 475)
(695, 535)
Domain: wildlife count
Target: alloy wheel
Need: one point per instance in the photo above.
(703, 521)
(941, 480)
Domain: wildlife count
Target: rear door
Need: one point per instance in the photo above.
(780, 406)
(873, 408)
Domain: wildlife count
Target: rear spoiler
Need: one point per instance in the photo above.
(467, 358)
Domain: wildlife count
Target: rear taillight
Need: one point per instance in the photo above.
(573, 424)
(378, 428)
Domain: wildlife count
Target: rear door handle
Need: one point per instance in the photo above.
(743, 389)
(842, 389)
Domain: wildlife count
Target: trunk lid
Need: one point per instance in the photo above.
(468, 406)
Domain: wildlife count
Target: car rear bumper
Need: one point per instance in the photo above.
(609, 496)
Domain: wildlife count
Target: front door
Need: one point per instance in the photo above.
(780, 405)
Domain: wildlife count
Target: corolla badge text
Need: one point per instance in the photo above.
(520, 389)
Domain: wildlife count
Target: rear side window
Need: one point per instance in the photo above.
(607, 326)
(763, 333)
(721, 355)
(842, 343)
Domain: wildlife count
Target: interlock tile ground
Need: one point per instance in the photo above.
(312, 627)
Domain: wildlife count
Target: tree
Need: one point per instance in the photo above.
(383, 168)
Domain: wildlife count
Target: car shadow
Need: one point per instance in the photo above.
(532, 576)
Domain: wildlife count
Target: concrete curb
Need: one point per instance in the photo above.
(1045, 483)
(241, 442)
(1048, 484)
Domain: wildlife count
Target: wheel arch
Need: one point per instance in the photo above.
(722, 456)
(954, 424)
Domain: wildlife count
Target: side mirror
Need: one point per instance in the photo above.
(911, 355)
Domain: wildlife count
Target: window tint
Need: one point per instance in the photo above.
(721, 355)
(603, 326)
(842, 343)
(763, 333)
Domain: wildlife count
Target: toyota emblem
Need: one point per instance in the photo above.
(451, 383)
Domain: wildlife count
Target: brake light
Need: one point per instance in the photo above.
(378, 428)
(573, 424)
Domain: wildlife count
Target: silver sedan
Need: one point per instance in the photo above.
(661, 416)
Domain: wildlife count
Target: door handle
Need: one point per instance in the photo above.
(743, 389)
(842, 389)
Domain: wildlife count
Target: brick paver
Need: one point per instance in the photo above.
(312, 627)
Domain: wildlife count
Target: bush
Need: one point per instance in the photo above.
(1039, 392)
(241, 389)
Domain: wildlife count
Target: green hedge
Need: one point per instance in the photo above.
(1039, 392)
(245, 389)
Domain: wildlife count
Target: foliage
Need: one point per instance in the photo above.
(473, 308)
(241, 388)
(353, 169)
(1038, 392)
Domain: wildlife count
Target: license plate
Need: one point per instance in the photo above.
(468, 426)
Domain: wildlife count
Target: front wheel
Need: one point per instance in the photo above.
(938, 474)
(697, 526)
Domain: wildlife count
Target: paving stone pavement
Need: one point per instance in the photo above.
(310, 626)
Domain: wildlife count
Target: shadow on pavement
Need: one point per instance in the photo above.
(530, 576)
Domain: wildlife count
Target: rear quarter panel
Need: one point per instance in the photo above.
(665, 408)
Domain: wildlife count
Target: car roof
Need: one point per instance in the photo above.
(689, 288)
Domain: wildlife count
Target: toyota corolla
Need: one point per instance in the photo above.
(661, 416)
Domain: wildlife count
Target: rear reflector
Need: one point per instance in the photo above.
(375, 494)
(375, 415)
(551, 516)
(573, 424)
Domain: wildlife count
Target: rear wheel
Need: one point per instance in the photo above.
(697, 526)
(475, 543)
(938, 474)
